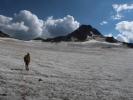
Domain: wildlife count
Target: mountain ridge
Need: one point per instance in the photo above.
(80, 34)
(2, 34)
(84, 33)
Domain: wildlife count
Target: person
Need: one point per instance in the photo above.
(27, 61)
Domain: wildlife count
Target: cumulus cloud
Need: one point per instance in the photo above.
(103, 23)
(26, 25)
(8, 26)
(23, 25)
(55, 27)
(119, 8)
(4, 19)
(31, 21)
(126, 31)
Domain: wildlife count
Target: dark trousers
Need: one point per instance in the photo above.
(27, 66)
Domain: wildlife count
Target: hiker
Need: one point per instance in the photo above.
(27, 61)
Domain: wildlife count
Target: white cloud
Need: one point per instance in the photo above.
(122, 7)
(103, 23)
(7, 25)
(4, 19)
(119, 8)
(26, 25)
(23, 25)
(109, 35)
(117, 16)
(125, 26)
(126, 31)
(122, 38)
(14, 27)
(63, 26)
(34, 24)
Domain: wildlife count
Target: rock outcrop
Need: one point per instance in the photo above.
(2, 34)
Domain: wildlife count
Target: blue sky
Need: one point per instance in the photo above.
(101, 14)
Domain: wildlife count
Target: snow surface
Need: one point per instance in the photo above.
(65, 71)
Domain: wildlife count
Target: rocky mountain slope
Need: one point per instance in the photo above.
(2, 34)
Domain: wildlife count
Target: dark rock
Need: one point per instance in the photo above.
(56, 39)
(83, 32)
(39, 38)
(111, 39)
(4, 94)
(40, 80)
(130, 45)
(2, 34)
